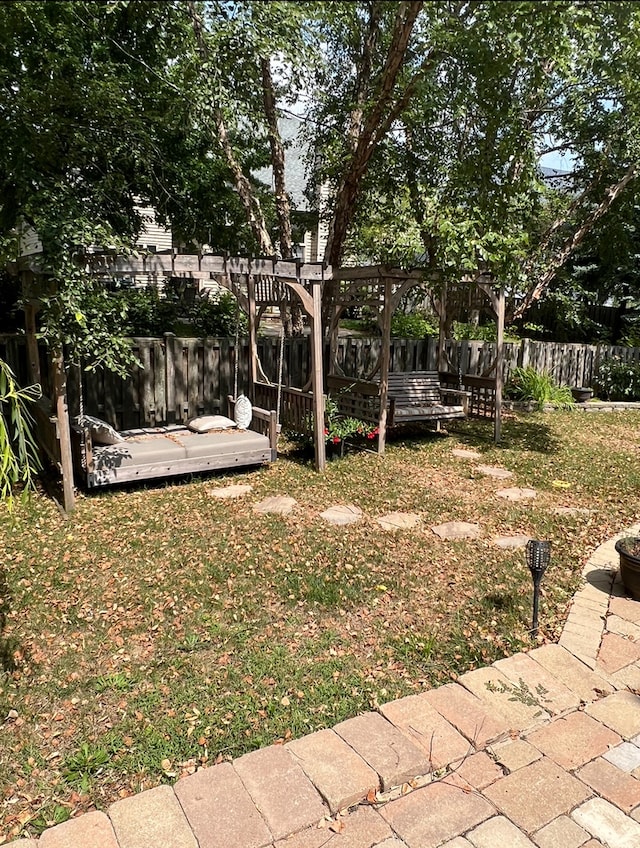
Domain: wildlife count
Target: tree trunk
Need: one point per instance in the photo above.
(563, 253)
(290, 310)
(367, 132)
(283, 207)
(253, 209)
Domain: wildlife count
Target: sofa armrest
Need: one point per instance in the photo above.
(459, 393)
(263, 421)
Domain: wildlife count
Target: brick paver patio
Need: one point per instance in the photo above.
(473, 764)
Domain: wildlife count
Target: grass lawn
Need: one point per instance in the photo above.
(159, 629)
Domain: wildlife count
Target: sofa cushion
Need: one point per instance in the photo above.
(225, 443)
(101, 432)
(210, 422)
(132, 453)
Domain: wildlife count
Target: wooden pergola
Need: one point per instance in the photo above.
(382, 288)
(259, 284)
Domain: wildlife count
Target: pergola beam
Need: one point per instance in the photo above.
(257, 282)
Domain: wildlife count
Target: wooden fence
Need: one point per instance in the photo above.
(181, 378)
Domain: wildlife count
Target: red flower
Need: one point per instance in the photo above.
(326, 431)
(336, 440)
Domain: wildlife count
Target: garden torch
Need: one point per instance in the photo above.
(538, 556)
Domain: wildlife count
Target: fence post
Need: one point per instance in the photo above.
(170, 377)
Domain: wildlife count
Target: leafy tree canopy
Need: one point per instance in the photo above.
(424, 122)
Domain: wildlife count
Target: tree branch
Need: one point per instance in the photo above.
(251, 203)
(570, 244)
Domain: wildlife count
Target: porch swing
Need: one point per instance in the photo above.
(387, 398)
(105, 457)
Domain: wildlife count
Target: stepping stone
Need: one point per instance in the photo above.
(571, 510)
(398, 520)
(607, 823)
(457, 530)
(466, 454)
(229, 491)
(494, 471)
(516, 493)
(342, 514)
(277, 504)
(512, 541)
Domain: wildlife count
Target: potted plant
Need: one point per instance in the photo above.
(628, 549)
(338, 428)
(581, 394)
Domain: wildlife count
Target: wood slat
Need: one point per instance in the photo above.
(167, 381)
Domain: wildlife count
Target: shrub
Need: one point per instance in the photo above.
(527, 384)
(618, 380)
(482, 332)
(404, 325)
(148, 314)
(216, 316)
(415, 325)
(19, 457)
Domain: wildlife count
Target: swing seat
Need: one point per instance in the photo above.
(413, 396)
(158, 452)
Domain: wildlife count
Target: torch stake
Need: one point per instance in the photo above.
(538, 556)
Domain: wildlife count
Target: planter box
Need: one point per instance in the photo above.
(581, 394)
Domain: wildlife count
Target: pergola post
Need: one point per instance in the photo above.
(316, 375)
(64, 428)
(253, 333)
(385, 359)
(30, 327)
(441, 309)
(500, 310)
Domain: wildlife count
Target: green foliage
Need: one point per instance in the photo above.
(91, 128)
(618, 380)
(631, 321)
(526, 384)
(50, 816)
(79, 315)
(87, 762)
(19, 459)
(217, 315)
(415, 325)
(482, 332)
(338, 428)
(148, 312)
(117, 682)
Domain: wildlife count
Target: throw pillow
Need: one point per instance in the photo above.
(101, 432)
(243, 412)
(210, 422)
